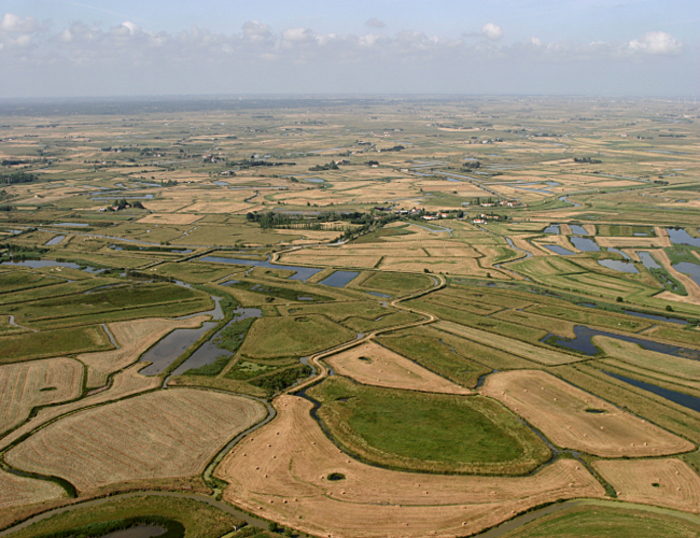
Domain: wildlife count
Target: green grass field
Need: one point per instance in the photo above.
(293, 336)
(606, 521)
(429, 432)
(431, 351)
(199, 519)
(53, 343)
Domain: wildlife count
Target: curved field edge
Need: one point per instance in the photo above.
(436, 433)
(598, 519)
(160, 435)
(281, 473)
(200, 519)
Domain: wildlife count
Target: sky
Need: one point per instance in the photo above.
(99, 48)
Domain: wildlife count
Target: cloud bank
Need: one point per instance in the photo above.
(85, 59)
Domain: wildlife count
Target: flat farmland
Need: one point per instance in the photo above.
(18, 490)
(373, 364)
(572, 418)
(662, 482)
(281, 473)
(134, 338)
(165, 434)
(26, 385)
(126, 383)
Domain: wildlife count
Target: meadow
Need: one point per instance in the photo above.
(494, 305)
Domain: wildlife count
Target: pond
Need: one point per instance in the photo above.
(377, 294)
(618, 251)
(679, 236)
(301, 273)
(563, 199)
(617, 265)
(169, 348)
(577, 229)
(690, 269)
(559, 250)
(552, 229)
(55, 241)
(648, 260)
(339, 279)
(210, 351)
(38, 264)
(687, 401)
(656, 317)
(583, 343)
(71, 224)
(584, 244)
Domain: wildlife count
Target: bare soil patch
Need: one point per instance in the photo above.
(572, 418)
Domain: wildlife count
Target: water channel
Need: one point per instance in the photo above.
(301, 273)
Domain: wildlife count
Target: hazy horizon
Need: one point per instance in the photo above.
(96, 48)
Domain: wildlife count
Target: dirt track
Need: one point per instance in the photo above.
(280, 472)
(388, 369)
(558, 409)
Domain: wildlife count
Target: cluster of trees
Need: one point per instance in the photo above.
(471, 165)
(17, 177)
(369, 224)
(587, 160)
(252, 163)
(394, 148)
(319, 167)
(118, 205)
(7, 208)
(273, 219)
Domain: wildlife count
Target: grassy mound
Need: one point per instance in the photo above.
(427, 432)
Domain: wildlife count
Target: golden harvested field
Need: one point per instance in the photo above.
(329, 260)
(677, 485)
(124, 383)
(280, 472)
(134, 338)
(18, 490)
(516, 347)
(559, 410)
(642, 242)
(26, 385)
(169, 218)
(373, 364)
(165, 434)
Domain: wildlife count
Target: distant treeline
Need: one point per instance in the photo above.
(273, 219)
(253, 163)
(17, 177)
(587, 160)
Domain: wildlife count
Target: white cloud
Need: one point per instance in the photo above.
(655, 43)
(14, 23)
(375, 23)
(492, 31)
(256, 31)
